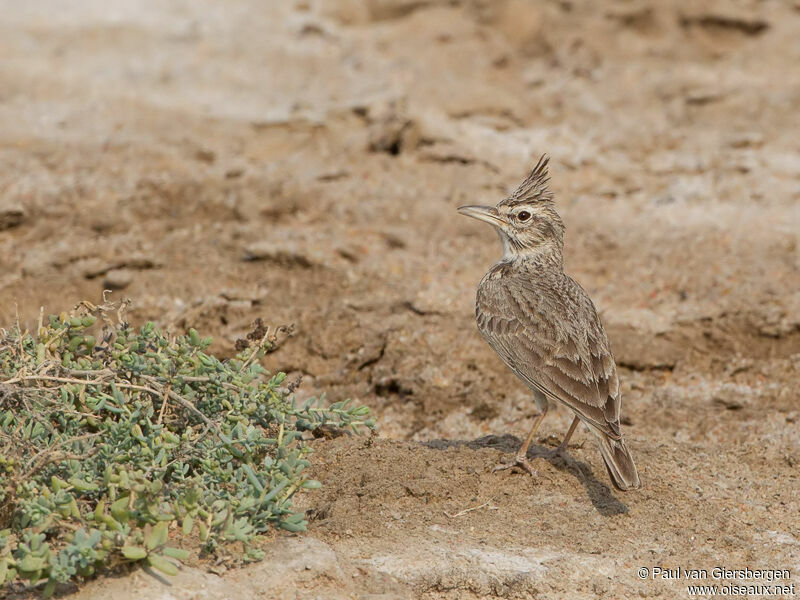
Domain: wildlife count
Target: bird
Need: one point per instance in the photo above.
(545, 327)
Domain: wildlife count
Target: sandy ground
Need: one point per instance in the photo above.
(301, 161)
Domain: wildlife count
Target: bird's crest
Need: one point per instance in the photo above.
(535, 188)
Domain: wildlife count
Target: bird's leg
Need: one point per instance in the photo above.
(521, 459)
(562, 447)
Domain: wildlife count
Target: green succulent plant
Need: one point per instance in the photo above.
(117, 443)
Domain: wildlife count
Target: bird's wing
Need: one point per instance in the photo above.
(555, 343)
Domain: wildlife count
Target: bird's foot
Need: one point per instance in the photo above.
(518, 462)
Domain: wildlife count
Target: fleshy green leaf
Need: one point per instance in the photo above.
(134, 552)
(162, 564)
(158, 536)
(178, 553)
(188, 523)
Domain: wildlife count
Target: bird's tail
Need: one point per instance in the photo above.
(618, 461)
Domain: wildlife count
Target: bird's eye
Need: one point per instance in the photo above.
(523, 215)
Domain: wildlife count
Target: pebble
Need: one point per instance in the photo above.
(11, 215)
(118, 279)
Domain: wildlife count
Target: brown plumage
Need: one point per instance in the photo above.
(544, 325)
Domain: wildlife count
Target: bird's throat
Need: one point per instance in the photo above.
(548, 253)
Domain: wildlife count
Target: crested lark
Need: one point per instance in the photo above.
(544, 325)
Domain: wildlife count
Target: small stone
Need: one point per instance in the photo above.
(730, 398)
(705, 95)
(92, 267)
(139, 262)
(750, 139)
(11, 215)
(386, 10)
(206, 156)
(283, 256)
(117, 279)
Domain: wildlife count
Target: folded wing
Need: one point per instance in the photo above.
(553, 340)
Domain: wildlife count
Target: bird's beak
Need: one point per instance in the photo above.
(482, 213)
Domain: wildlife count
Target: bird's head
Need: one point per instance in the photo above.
(526, 220)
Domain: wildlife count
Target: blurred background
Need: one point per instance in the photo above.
(302, 160)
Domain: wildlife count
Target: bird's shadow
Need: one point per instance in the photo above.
(599, 493)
